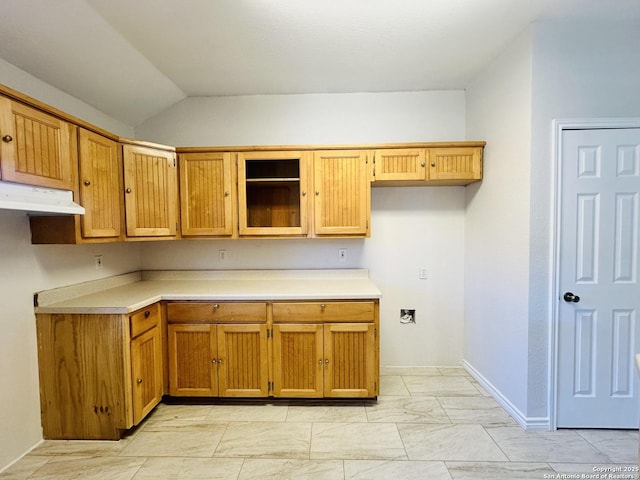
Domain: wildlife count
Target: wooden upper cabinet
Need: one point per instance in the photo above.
(36, 147)
(151, 193)
(272, 193)
(342, 193)
(399, 164)
(100, 167)
(207, 194)
(455, 166)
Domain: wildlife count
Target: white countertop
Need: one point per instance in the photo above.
(130, 292)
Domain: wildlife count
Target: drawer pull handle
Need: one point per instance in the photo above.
(322, 306)
(139, 381)
(216, 306)
(147, 313)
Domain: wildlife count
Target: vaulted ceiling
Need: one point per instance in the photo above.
(132, 59)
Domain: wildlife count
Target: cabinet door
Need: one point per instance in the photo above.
(206, 194)
(192, 360)
(146, 372)
(341, 193)
(36, 147)
(100, 185)
(350, 360)
(272, 193)
(455, 166)
(243, 360)
(150, 184)
(298, 360)
(400, 164)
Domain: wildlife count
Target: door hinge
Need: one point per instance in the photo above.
(269, 332)
(375, 333)
(270, 387)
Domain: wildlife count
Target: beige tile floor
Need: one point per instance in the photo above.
(428, 423)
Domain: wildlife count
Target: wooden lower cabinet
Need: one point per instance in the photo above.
(218, 360)
(281, 349)
(99, 374)
(331, 360)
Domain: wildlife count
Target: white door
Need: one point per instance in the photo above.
(599, 294)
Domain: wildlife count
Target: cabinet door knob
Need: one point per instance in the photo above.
(220, 361)
(322, 306)
(317, 192)
(214, 361)
(304, 193)
(326, 362)
(433, 164)
(147, 313)
(422, 164)
(226, 194)
(7, 139)
(87, 183)
(216, 306)
(320, 362)
(128, 190)
(139, 381)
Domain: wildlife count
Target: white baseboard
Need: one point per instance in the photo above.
(6, 467)
(528, 423)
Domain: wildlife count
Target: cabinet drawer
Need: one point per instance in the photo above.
(144, 319)
(214, 312)
(324, 312)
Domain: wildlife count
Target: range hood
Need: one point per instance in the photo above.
(38, 200)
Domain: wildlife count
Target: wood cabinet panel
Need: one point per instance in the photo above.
(207, 194)
(144, 319)
(36, 147)
(455, 165)
(323, 312)
(298, 360)
(242, 360)
(100, 185)
(146, 370)
(350, 360)
(83, 376)
(400, 164)
(192, 360)
(209, 312)
(341, 193)
(150, 182)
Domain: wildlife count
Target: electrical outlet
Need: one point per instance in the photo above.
(342, 255)
(222, 255)
(98, 261)
(422, 273)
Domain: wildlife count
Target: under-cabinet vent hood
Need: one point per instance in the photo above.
(38, 200)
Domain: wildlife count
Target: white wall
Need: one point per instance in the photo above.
(411, 227)
(581, 69)
(497, 229)
(26, 269)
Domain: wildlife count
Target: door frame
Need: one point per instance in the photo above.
(559, 126)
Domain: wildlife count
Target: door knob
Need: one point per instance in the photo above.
(570, 297)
